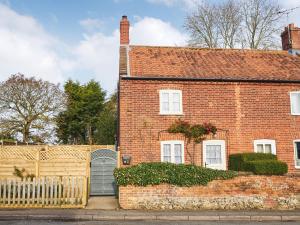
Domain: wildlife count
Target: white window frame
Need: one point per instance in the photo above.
(291, 102)
(172, 143)
(170, 92)
(264, 142)
(295, 153)
(221, 166)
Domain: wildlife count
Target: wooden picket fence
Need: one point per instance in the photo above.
(48, 192)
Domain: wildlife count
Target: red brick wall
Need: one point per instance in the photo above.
(242, 112)
(251, 192)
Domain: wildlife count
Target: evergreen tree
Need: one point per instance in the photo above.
(77, 124)
(107, 123)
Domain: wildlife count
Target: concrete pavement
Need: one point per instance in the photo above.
(103, 203)
(49, 222)
(132, 215)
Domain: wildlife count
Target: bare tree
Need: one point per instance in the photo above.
(261, 23)
(235, 23)
(229, 19)
(28, 106)
(202, 24)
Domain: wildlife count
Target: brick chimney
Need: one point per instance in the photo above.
(290, 38)
(124, 31)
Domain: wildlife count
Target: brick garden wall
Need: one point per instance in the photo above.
(243, 112)
(248, 192)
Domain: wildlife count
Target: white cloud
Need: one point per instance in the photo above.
(27, 48)
(188, 4)
(91, 24)
(152, 31)
(99, 53)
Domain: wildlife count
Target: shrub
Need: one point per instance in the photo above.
(266, 167)
(157, 173)
(237, 161)
(258, 163)
(22, 173)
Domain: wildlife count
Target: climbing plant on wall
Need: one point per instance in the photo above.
(195, 132)
(192, 132)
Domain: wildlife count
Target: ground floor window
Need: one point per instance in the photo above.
(265, 146)
(297, 153)
(172, 151)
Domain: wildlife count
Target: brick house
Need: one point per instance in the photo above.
(252, 96)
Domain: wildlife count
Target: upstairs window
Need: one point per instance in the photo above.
(170, 102)
(295, 102)
(265, 146)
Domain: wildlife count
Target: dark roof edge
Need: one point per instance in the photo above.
(209, 79)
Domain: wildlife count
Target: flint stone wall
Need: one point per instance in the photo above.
(243, 192)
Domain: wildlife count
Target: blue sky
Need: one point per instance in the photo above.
(61, 39)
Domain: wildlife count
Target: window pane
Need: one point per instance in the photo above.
(176, 106)
(268, 148)
(298, 150)
(295, 102)
(176, 102)
(165, 102)
(165, 97)
(213, 154)
(178, 153)
(297, 153)
(260, 148)
(176, 97)
(167, 153)
(165, 106)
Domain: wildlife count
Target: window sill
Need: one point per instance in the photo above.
(171, 114)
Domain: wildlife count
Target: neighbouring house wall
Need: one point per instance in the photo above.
(250, 192)
(242, 112)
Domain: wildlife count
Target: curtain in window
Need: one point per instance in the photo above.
(178, 153)
(268, 148)
(167, 153)
(176, 102)
(295, 97)
(165, 102)
(260, 148)
(213, 154)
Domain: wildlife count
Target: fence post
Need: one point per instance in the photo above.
(37, 164)
(118, 157)
(88, 168)
(85, 192)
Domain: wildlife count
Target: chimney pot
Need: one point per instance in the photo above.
(124, 31)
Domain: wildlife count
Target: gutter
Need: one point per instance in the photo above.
(209, 80)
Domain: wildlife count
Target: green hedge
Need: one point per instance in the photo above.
(157, 173)
(237, 161)
(258, 163)
(266, 167)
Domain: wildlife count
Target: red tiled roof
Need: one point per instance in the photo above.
(183, 62)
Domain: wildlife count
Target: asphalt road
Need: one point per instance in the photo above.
(45, 222)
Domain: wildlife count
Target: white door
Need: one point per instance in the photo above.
(214, 154)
